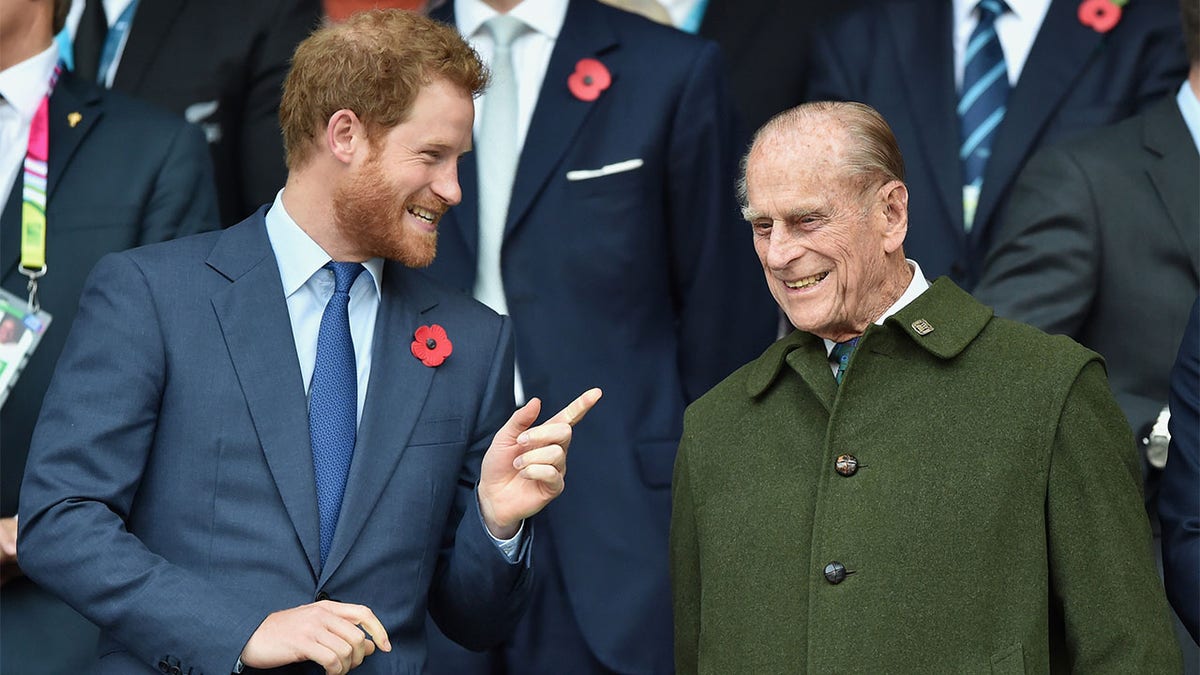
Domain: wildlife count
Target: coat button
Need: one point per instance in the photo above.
(163, 666)
(847, 465)
(322, 596)
(176, 671)
(835, 572)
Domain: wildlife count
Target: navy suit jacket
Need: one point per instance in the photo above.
(102, 196)
(170, 494)
(1179, 491)
(643, 283)
(898, 57)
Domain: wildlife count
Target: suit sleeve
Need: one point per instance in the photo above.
(184, 198)
(1044, 266)
(260, 144)
(1103, 579)
(477, 594)
(1179, 489)
(88, 454)
(685, 566)
(1162, 61)
(727, 316)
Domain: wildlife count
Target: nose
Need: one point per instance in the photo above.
(446, 186)
(783, 247)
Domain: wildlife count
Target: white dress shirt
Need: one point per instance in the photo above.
(530, 51)
(22, 87)
(916, 287)
(1016, 29)
(1189, 107)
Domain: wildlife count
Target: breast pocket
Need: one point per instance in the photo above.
(437, 432)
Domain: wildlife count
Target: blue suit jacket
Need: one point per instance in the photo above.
(1074, 79)
(1179, 491)
(643, 283)
(170, 494)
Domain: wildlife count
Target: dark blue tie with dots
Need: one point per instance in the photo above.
(333, 402)
(841, 356)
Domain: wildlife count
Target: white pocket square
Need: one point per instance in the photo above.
(619, 167)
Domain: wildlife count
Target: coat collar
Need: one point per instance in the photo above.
(955, 317)
(1165, 136)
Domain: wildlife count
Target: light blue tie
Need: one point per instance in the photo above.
(497, 152)
(333, 402)
(841, 356)
(981, 103)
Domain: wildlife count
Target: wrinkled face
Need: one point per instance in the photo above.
(823, 242)
(391, 203)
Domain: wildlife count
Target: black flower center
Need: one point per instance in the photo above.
(587, 79)
(431, 343)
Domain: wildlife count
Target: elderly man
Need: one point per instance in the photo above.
(266, 446)
(905, 483)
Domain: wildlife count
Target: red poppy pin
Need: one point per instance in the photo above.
(589, 79)
(1100, 15)
(431, 345)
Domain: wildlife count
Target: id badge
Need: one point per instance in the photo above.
(20, 333)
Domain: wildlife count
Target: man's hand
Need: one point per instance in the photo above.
(333, 635)
(9, 569)
(525, 467)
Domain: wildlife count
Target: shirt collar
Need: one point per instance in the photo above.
(544, 16)
(24, 84)
(298, 256)
(916, 287)
(1189, 107)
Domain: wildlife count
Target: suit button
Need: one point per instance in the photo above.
(176, 671)
(322, 596)
(163, 666)
(835, 572)
(847, 465)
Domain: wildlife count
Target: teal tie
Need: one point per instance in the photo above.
(982, 103)
(841, 356)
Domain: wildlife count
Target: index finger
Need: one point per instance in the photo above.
(366, 622)
(578, 408)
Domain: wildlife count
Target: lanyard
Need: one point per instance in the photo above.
(33, 194)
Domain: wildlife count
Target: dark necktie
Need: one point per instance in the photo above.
(333, 402)
(841, 356)
(981, 105)
(89, 40)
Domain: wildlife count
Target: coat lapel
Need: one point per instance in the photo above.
(254, 319)
(558, 115)
(927, 66)
(70, 96)
(151, 24)
(395, 397)
(1175, 174)
(1061, 50)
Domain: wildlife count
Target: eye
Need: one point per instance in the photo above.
(761, 228)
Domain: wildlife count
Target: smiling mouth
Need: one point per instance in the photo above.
(424, 215)
(806, 281)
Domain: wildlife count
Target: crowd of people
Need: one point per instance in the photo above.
(892, 304)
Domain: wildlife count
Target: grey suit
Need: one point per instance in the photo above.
(1102, 243)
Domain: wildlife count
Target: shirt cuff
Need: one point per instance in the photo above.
(511, 548)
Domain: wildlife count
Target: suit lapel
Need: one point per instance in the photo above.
(254, 319)
(1061, 50)
(558, 114)
(466, 213)
(1175, 172)
(395, 396)
(928, 70)
(151, 23)
(70, 96)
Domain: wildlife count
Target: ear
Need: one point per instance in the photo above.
(895, 204)
(344, 135)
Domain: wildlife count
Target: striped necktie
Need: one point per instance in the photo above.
(981, 103)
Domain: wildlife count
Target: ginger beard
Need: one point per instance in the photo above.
(367, 211)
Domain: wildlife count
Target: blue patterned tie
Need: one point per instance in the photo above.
(841, 356)
(981, 103)
(333, 402)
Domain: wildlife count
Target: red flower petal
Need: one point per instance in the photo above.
(1099, 15)
(431, 345)
(589, 79)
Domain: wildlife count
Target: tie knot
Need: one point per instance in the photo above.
(841, 351)
(504, 29)
(344, 274)
(990, 9)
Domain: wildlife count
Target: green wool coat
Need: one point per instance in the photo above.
(995, 523)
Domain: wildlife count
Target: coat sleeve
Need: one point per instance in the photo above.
(1179, 489)
(184, 196)
(726, 314)
(477, 594)
(1103, 579)
(89, 451)
(1044, 266)
(685, 567)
